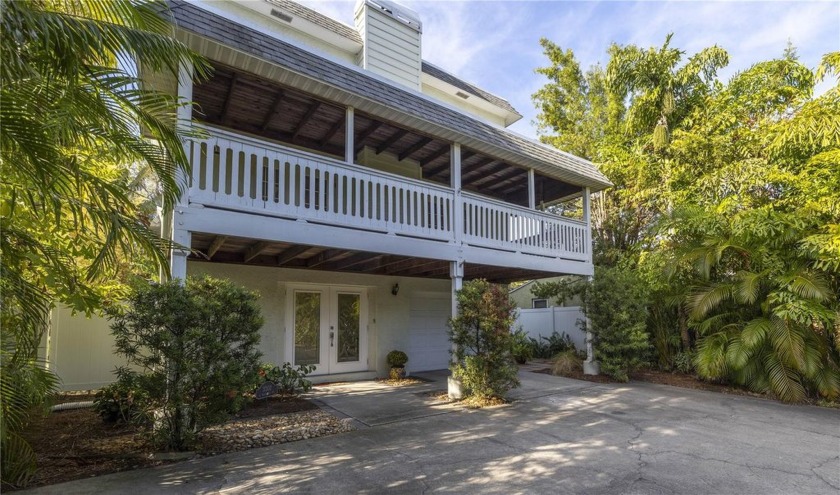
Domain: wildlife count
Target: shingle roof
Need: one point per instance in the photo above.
(354, 81)
(446, 77)
(350, 33)
(318, 18)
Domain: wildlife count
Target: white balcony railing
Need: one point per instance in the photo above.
(242, 173)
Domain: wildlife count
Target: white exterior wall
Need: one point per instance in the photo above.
(388, 315)
(391, 48)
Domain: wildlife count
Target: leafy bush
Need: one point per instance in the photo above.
(289, 380)
(522, 349)
(197, 344)
(684, 362)
(396, 359)
(123, 401)
(566, 363)
(548, 347)
(616, 304)
(483, 341)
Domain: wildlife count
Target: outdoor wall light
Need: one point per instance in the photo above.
(395, 289)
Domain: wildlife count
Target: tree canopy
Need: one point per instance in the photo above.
(726, 202)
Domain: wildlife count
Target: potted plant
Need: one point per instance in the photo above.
(396, 360)
(522, 349)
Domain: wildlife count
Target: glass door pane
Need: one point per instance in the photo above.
(307, 328)
(349, 306)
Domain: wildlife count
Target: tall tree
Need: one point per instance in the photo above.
(72, 111)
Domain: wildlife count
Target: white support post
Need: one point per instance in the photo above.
(455, 183)
(587, 219)
(456, 273)
(172, 228)
(532, 192)
(349, 137)
(590, 365)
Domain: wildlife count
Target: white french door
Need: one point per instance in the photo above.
(328, 328)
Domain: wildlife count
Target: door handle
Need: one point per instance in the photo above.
(332, 337)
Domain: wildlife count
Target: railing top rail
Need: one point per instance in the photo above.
(521, 209)
(268, 145)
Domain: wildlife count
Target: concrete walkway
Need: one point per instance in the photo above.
(559, 436)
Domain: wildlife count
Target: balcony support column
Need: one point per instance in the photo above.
(455, 183)
(532, 192)
(590, 366)
(172, 225)
(456, 274)
(349, 137)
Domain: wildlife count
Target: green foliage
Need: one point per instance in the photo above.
(72, 226)
(684, 362)
(616, 304)
(290, 380)
(482, 339)
(126, 400)
(548, 347)
(396, 359)
(725, 202)
(522, 349)
(197, 344)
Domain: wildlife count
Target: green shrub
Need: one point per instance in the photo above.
(482, 340)
(548, 347)
(396, 359)
(522, 349)
(616, 304)
(290, 381)
(126, 400)
(197, 344)
(684, 362)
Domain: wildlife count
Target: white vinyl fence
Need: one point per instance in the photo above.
(543, 322)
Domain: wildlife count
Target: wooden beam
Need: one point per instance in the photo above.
(274, 108)
(255, 250)
(306, 117)
(476, 168)
(351, 261)
(332, 130)
(324, 256)
(414, 148)
(378, 264)
(360, 140)
(407, 264)
(229, 97)
(291, 253)
(435, 155)
(391, 140)
(465, 155)
(506, 182)
(215, 245)
(502, 175)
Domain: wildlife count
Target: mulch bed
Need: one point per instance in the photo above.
(76, 443)
(400, 383)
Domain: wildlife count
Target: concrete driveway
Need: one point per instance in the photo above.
(559, 436)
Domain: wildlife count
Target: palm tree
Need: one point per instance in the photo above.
(767, 314)
(72, 113)
(661, 93)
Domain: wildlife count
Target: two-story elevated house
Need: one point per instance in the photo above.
(356, 186)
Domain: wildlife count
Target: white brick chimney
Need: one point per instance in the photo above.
(391, 34)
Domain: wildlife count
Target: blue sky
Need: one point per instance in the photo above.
(495, 44)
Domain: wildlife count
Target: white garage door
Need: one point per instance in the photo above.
(428, 341)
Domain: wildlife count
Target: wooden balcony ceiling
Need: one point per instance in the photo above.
(224, 249)
(244, 102)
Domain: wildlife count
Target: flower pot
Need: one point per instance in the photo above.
(397, 372)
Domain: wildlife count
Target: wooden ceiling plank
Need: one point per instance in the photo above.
(217, 243)
(414, 148)
(229, 97)
(255, 250)
(435, 155)
(360, 139)
(391, 140)
(323, 257)
(306, 117)
(332, 131)
(274, 108)
(291, 253)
